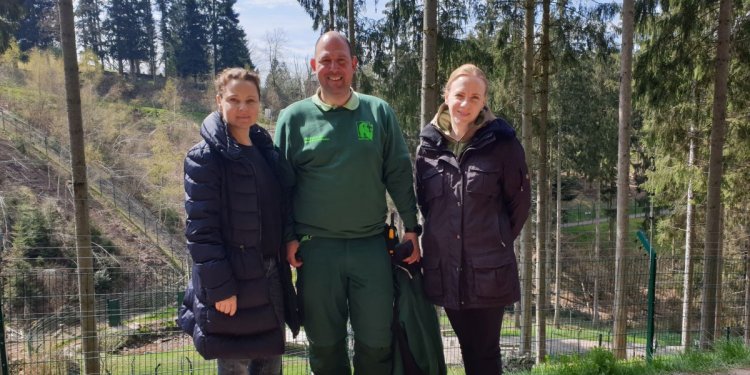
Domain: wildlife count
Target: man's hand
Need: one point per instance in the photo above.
(416, 254)
(227, 306)
(291, 253)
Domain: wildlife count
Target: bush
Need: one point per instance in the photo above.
(32, 235)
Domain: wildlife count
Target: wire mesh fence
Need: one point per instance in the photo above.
(163, 229)
(137, 333)
(136, 309)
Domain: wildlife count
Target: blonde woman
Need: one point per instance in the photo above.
(473, 191)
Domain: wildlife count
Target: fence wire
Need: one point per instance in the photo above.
(137, 333)
(102, 182)
(135, 311)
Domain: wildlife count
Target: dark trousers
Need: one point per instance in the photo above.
(348, 279)
(478, 332)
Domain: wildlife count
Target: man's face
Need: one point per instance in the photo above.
(334, 67)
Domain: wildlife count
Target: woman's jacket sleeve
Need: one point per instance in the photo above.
(517, 188)
(203, 189)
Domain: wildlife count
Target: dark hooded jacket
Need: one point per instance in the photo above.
(474, 207)
(223, 231)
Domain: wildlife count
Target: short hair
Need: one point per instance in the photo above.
(338, 35)
(231, 74)
(468, 70)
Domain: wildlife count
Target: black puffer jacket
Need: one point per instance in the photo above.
(474, 207)
(223, 231)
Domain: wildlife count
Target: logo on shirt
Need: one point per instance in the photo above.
(316, 139)
(364, 130)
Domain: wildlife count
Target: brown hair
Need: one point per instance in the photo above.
(230, 74)
(467, 70)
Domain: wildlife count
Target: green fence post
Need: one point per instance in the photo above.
(651, 291)
(180, 298)
(3, 355)
(114, 313)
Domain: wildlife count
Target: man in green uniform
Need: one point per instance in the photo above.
(341, 151)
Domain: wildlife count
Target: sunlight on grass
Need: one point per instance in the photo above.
(726, 355)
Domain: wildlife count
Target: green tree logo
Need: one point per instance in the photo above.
(364, 131)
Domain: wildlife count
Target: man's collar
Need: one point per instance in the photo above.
(351, 104)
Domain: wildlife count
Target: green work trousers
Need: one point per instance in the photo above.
(347, 278)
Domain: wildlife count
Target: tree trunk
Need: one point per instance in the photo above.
(526, 121)
(80, 191)
(331, 16)
(542, 299)
(623, 181)
(687, 283)
(719, 277)
(352, 37)
(517, 306)
(597, 250)
(558, 232)
(747, 289)
(713, 199)
(429, 63)
(214, 36)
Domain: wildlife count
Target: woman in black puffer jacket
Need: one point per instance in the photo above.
(234, 305)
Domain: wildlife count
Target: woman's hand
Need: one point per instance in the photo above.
(227, 306)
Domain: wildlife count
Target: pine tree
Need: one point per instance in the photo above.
(326, 14)
(229, 39)
(131, 33)
(116, 24)
(89, 26)
(39, 27)
(146, 45)
(10, 13)
(281, 88)
(167, 48)
(189, 24)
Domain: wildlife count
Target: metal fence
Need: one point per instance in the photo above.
(135, 315)
(101, 182)
(137, 333)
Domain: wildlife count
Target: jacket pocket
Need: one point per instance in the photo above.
(483, 179)
(247, 263)
(432, 183)
(433, 277)
(494, 275)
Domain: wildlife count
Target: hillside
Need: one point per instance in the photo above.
(22, 174)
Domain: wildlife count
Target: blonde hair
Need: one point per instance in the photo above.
(230, 74)
(467, 70)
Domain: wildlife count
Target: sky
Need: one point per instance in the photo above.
(262, 17)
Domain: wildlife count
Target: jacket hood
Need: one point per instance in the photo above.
(214, 132)
(442, 121)
(490, 125)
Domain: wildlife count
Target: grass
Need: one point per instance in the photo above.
(581, 209)
(576, 329)
(166, 314)
(726, 355)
